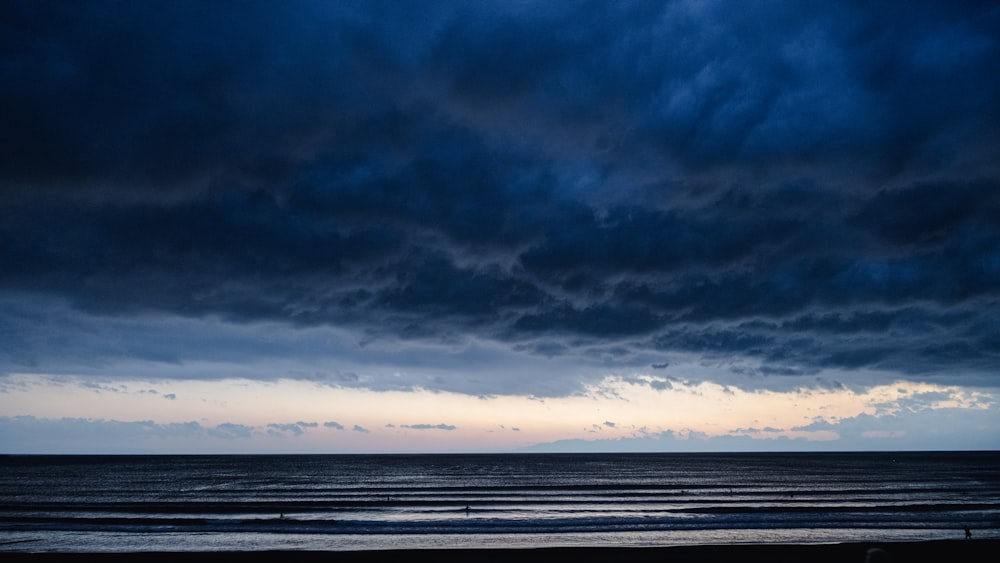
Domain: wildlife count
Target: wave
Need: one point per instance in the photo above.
(729, 520)
(621, 496)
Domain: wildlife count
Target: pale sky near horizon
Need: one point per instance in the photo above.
(340, 227)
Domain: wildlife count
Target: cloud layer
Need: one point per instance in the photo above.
(798, 187)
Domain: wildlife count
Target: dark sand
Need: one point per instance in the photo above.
(948, 551)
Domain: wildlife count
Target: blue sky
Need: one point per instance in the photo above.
(497, 226)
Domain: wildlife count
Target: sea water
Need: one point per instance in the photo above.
(364, 502)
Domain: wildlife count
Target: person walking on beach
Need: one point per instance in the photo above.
(968, 533)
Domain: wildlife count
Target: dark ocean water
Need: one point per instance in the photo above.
(341, 502)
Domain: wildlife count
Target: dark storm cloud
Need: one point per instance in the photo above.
(802, 185)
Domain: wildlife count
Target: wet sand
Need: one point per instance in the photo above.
(947, 550)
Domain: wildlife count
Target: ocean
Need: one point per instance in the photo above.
(368, 502)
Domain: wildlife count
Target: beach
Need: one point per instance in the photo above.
(938, 550)
(430, 506)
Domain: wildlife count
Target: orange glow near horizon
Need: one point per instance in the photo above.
(364, 420)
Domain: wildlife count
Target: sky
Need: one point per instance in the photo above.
(499, 226)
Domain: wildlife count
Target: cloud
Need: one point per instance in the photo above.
(940, 428)
(231, 430)
(779, 190)
(338, 426)
(29, 434)
(295, 428)
(448, 427)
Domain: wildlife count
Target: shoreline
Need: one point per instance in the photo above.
(846, 552)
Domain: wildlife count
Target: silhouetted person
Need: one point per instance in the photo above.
(968, 533)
